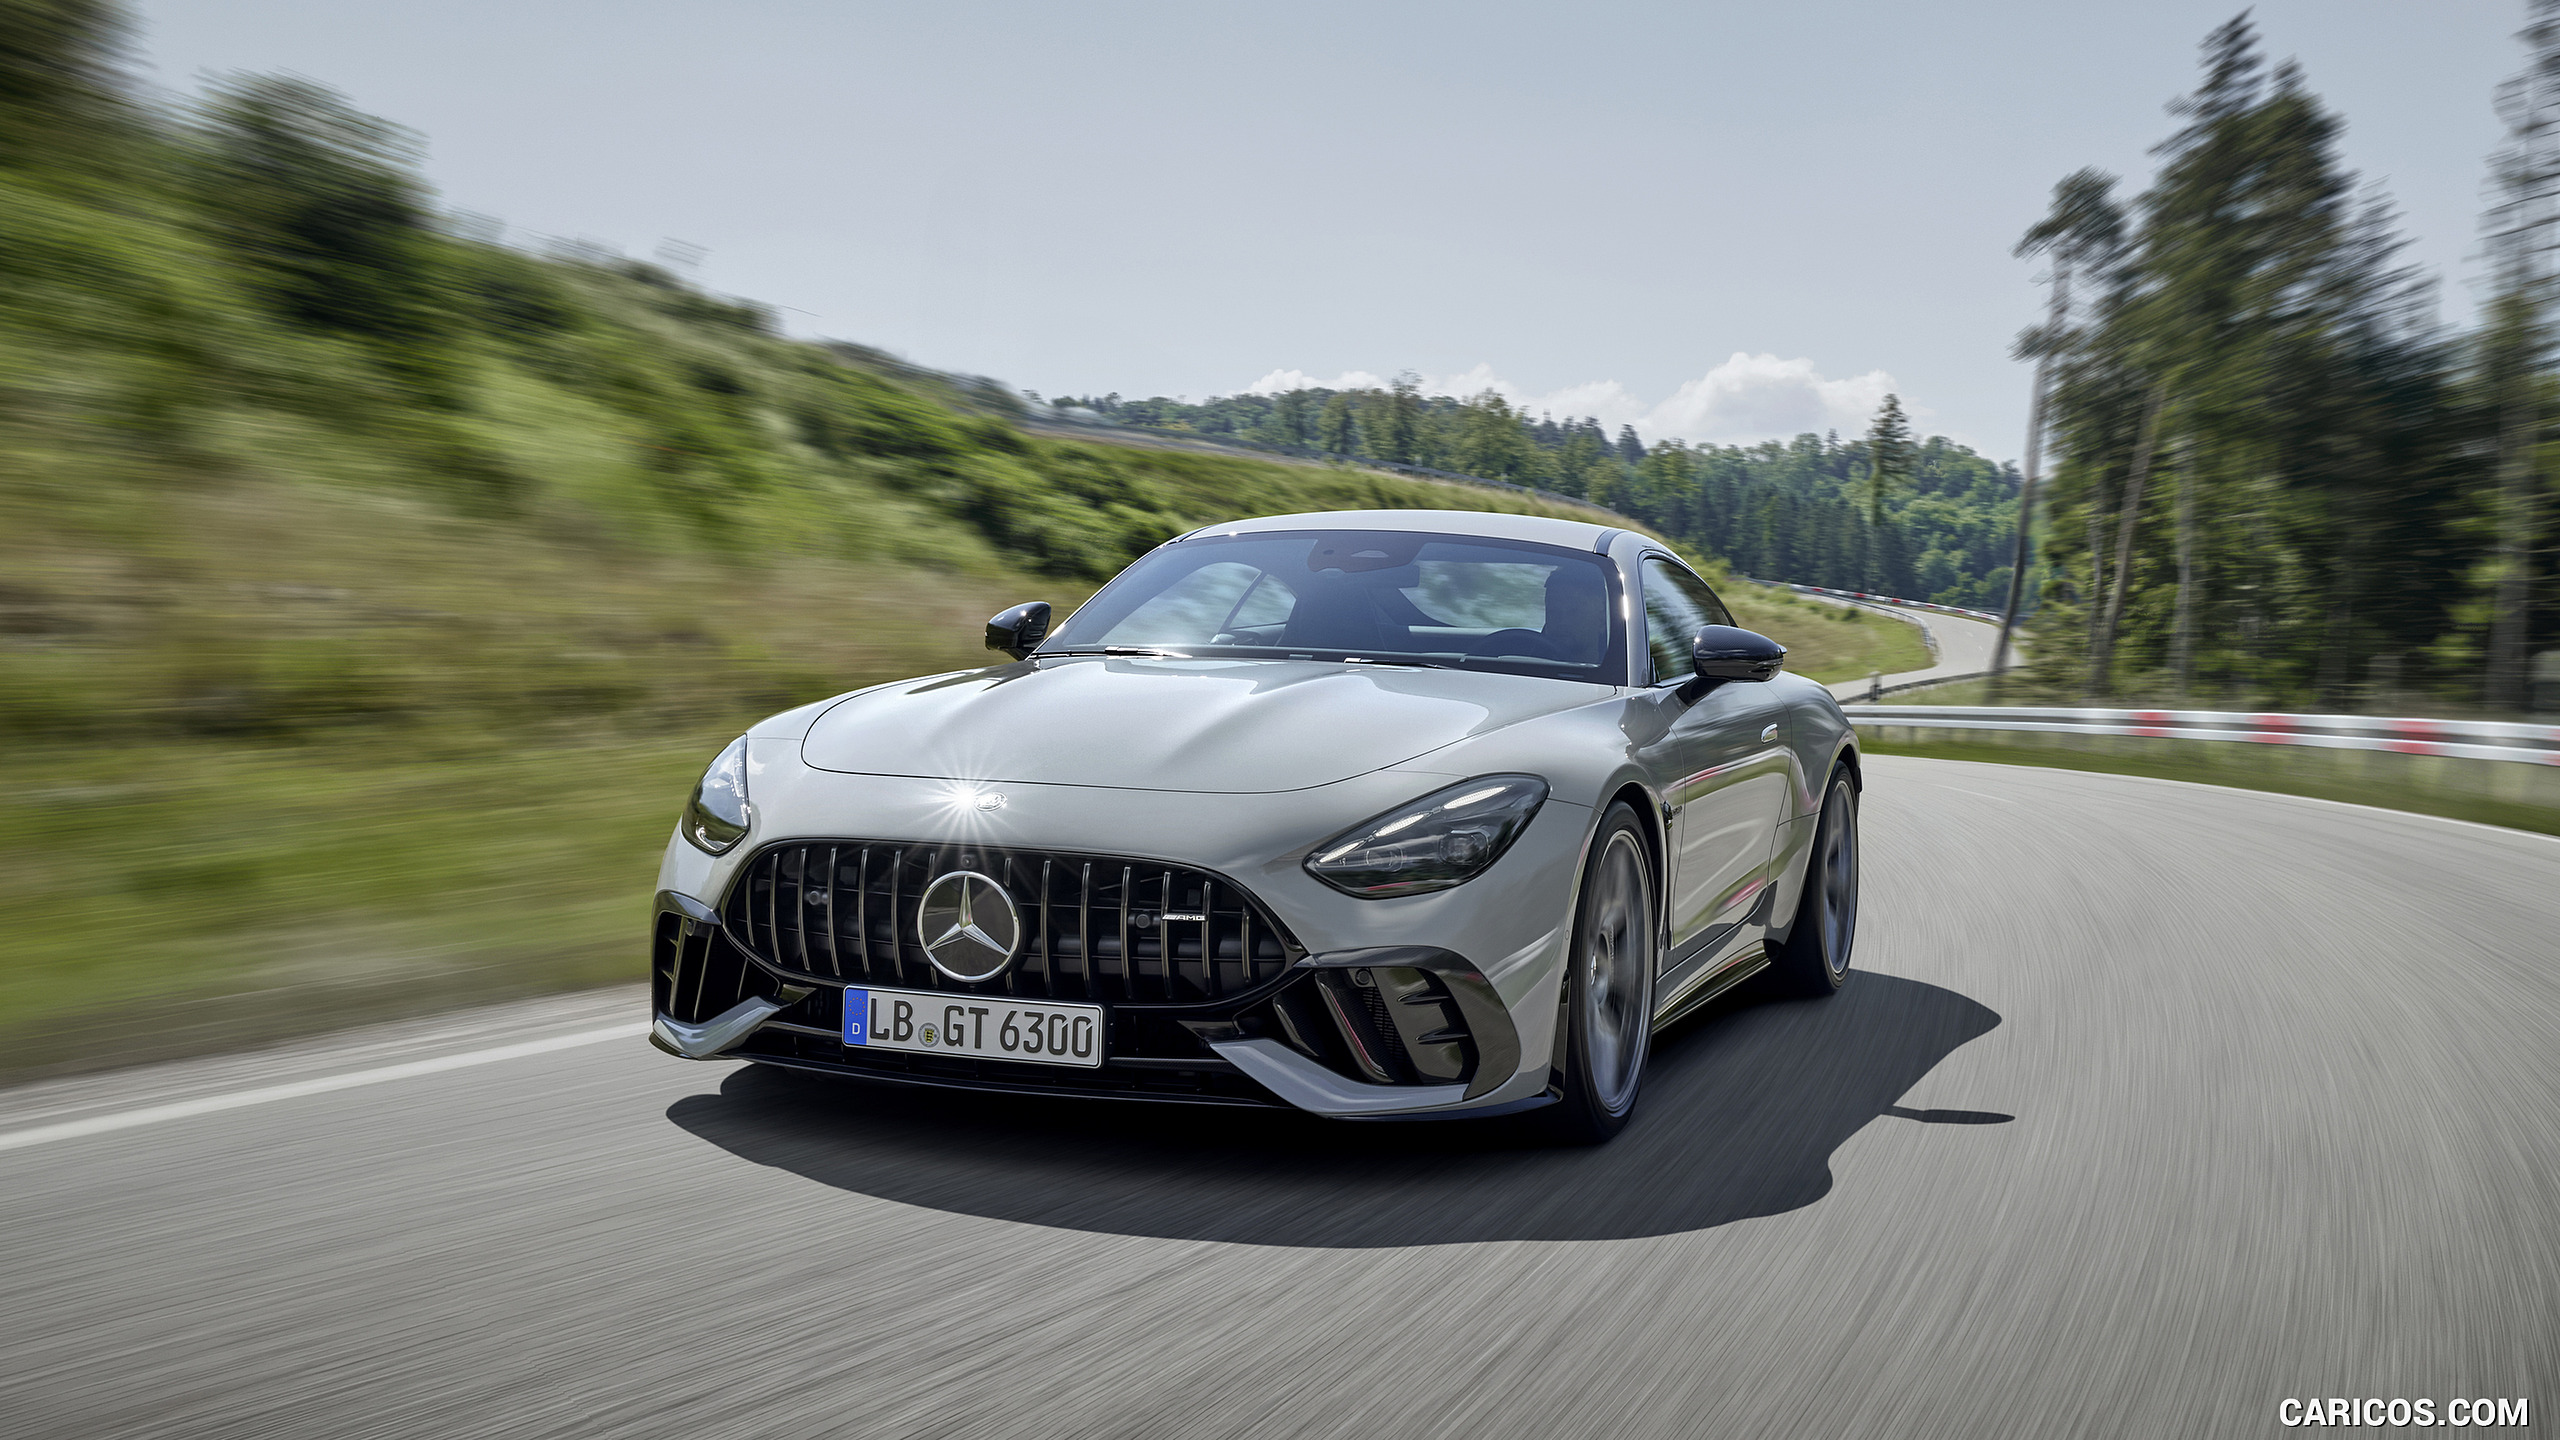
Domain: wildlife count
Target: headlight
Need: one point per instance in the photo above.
(716, 817)
(1445, 838)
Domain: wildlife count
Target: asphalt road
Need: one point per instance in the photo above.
(2151, 1106)
(1958, 647)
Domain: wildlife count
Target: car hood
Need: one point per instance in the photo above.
(1237, 726)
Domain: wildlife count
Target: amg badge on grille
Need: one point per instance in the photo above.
(969, 926)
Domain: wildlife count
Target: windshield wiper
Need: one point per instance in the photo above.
(1143, 651)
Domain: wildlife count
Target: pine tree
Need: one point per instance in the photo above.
(1889, 456)
(2523, 227)
(2085, 228)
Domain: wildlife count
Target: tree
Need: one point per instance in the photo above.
(2256, 355)
(1493, 440)
(61, 84)
(1889, 455)
(1398, 420)
(324, 204)
(2522, 222)
(1289, 423)
(1630, 445)
(1336, 432)
(2084, 227)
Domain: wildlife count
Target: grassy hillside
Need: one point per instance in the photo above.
(369, 595)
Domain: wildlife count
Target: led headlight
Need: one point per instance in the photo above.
(1445, 838)
(717, 815)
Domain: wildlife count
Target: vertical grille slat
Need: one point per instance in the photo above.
(835, 950)
(1111, 949)
(1128, 955)
(800, 909)
(897, 932)
(1084, 931)
(1013, 972)
(1166, 950)
(1048, 969)
(862, 908)
(1209, 937)
(773, 909)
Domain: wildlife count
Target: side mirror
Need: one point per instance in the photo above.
(1019, 631)
(1725, 652)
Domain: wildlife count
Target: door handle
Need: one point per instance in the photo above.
(1768, 733)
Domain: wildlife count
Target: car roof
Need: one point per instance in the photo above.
(1486, 524)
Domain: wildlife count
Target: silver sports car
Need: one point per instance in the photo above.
(1378, 814)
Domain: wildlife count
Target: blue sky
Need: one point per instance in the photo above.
(1712, 219)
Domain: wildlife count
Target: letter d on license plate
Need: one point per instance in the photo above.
(984, 1027)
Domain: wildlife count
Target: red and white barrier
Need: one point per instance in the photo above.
(2462, 739)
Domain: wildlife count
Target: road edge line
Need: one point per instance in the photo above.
(318, 1085)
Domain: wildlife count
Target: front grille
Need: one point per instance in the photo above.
(1093, 926)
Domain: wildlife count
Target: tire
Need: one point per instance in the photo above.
(1814, 957)
(1607, 1025)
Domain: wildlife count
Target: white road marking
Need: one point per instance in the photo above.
(321, 1085)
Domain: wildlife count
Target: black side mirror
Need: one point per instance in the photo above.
(1725, 652)
(1019, 631)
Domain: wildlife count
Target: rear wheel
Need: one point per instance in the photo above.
(1608, 1002)
(1814, 958)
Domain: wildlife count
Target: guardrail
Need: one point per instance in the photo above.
(1877, 691)
(2461, 739)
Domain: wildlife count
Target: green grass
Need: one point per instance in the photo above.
(1829, 643)
(204, 896)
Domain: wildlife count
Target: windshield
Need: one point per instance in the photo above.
(1363, 595)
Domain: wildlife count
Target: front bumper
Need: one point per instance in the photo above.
(1364, 1033)
(1488, 954)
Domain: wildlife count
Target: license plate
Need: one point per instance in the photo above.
(989, 1027)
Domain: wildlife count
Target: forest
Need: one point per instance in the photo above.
(2279, 477)
(1933, 521)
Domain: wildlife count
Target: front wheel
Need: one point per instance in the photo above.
(1814, 958)
(1608, 1000)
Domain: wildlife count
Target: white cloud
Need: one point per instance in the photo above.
(1280, 382)
(1761, 397)
(1746, 399)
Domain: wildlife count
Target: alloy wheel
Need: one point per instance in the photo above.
(1839, 878)
(1617, 950)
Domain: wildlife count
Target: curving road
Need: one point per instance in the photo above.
(2152, 1106)
(1957, 647)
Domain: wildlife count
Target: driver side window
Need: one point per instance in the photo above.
(1677, 605)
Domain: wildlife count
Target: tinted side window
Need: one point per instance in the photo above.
(1677, 605)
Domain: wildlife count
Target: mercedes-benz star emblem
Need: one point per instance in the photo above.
(969, 926)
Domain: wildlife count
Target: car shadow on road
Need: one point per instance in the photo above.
(1743, 1107)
